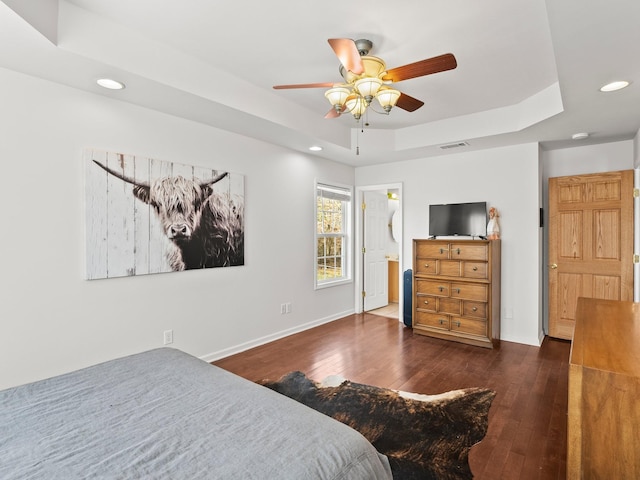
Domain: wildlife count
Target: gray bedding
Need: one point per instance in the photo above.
(164, 414)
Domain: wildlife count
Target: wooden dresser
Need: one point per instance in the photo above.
(604, 391)
(456, 290)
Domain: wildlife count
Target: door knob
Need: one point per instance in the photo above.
(553, 266)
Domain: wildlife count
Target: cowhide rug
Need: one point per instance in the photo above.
(423, 436)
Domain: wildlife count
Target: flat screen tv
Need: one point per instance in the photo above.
(468, 219)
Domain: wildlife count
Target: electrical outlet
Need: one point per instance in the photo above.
(285, 308)
(168, 337)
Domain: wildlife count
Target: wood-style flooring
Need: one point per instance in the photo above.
(527, 432)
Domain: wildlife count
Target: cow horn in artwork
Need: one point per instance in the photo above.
(145, 185)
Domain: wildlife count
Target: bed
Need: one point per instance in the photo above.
(166, 414)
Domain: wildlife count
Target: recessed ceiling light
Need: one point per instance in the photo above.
(580, 136)
(315, 148)
(110, 84)
(613, 86)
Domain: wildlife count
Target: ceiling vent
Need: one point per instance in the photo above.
(454, 145)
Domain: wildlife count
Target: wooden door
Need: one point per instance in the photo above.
(376, 270)
(590, 243)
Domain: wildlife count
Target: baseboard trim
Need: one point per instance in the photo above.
(212, 357)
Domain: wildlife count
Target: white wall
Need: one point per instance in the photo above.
(605, 157)
(54, 321)
(507, 178)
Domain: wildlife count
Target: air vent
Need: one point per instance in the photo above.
(454, 145)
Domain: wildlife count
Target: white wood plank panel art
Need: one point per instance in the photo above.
(151, 216)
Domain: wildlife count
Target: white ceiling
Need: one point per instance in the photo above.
(528, 70)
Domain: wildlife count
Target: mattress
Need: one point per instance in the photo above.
(166, 414)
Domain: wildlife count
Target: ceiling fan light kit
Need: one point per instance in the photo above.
(366, 77)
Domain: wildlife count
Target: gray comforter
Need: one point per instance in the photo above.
(164, 414)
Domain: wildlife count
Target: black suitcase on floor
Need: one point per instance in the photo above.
(407, 293)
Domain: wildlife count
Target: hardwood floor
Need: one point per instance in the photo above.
(526, 438)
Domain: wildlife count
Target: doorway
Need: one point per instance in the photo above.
(379, 248)
(590, 243)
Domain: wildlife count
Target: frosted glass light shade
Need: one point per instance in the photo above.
(337, 95)
(388, 97)
(356, 105)
(368, 87)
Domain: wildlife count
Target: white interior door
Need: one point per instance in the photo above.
(376, 273)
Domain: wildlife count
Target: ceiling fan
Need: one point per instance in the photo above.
(366, 77)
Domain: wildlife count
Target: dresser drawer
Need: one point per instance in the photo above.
(449, 268)
(474, 309)
(469, 326)
(449, 305)
(426, 266)
(475, 270)
(470, 291)
(431, 320)
(468, 251)
(432, 287)
(427, 302)
(432, 250)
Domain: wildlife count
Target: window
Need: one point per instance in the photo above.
(333, 243)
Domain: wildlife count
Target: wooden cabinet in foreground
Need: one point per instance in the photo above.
(604, 391)
(456, 290)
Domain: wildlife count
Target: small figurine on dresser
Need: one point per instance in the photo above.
(493, 228)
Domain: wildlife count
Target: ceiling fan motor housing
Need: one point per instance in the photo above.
(373, 67)
(364, 46)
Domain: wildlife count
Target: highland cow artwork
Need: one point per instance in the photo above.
(151, 216)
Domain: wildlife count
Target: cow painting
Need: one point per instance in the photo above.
(203, 223)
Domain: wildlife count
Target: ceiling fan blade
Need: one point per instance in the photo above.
(333, 113)
(305, 85)
(437, 64)
(409, 103)
(348, 54)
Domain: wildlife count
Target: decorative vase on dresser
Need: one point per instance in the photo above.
(456, 290)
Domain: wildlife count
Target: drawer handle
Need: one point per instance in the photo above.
(426, 302)
(474, 309)
(442, 250)
(441, 289)
(458, 251)
(475, 269)
(441, 321)
(457, 290)
(457, 324)
(426, 265)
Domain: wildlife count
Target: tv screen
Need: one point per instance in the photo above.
(469, 219)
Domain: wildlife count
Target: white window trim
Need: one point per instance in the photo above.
(348, 239)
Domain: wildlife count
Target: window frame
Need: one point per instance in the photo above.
(346, 235)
